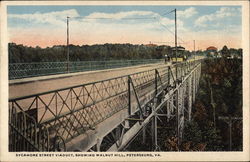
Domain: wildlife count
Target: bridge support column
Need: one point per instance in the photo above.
(184, 91)
(170, 107)
(154, 126)
(189, 98)
(98, 144)
(168, 110)
(118, 134)
(193, 86)
(196, 80)
(144, 134)
(180, 114)
(198, 75)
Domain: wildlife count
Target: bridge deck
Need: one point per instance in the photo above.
(29, 86)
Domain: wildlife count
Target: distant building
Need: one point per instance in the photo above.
(212, 51)
(179, 49)
(57, 47)
(151, 45)
(212, 48)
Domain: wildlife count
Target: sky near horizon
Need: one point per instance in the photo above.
(46, 25)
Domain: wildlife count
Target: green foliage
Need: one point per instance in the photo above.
(20, 53)
(224, 78)
(227, 83)
(192, 132)
(211, 136)
(225, 51)
(207, 135)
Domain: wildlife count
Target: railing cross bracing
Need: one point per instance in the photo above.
(25, 70)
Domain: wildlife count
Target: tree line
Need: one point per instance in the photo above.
(19, 53)
(228, 52)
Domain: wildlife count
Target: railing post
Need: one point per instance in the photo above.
(182, 71)
(189, 97)
(129, 95)
(194, 85)
(156, 86)
(154, 126)
(177, 117)
(176, 71)
(168, 76)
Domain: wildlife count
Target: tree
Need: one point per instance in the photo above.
(224, 78)
(192, 132)
(225, 52)
(212, 138)
(240, 52)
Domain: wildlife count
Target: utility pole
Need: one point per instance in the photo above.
(177, 106)
(67, 44)
(229, 121)
(175, 20)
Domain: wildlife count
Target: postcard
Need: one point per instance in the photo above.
(124, 81)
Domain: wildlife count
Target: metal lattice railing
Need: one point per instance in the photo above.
(69, 112)
(24, 70)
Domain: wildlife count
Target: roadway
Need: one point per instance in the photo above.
(34, 85)
(30, 86)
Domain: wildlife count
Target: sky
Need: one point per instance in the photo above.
(46, 26)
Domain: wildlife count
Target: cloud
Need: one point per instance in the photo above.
(54, 18)
(121, 15)
(187, 13)
(201, 21)
(145, 19)
(223, 12)
(226, 12)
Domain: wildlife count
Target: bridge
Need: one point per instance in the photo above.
(103, 115)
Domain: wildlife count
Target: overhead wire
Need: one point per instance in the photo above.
(106, 18)
(167, 13)
(136, 18)
(170, 31)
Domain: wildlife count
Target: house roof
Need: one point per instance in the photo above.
(212, 48)
(151, 45)
(179, 48)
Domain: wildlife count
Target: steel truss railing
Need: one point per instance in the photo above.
(48, 121)
(24, 70)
